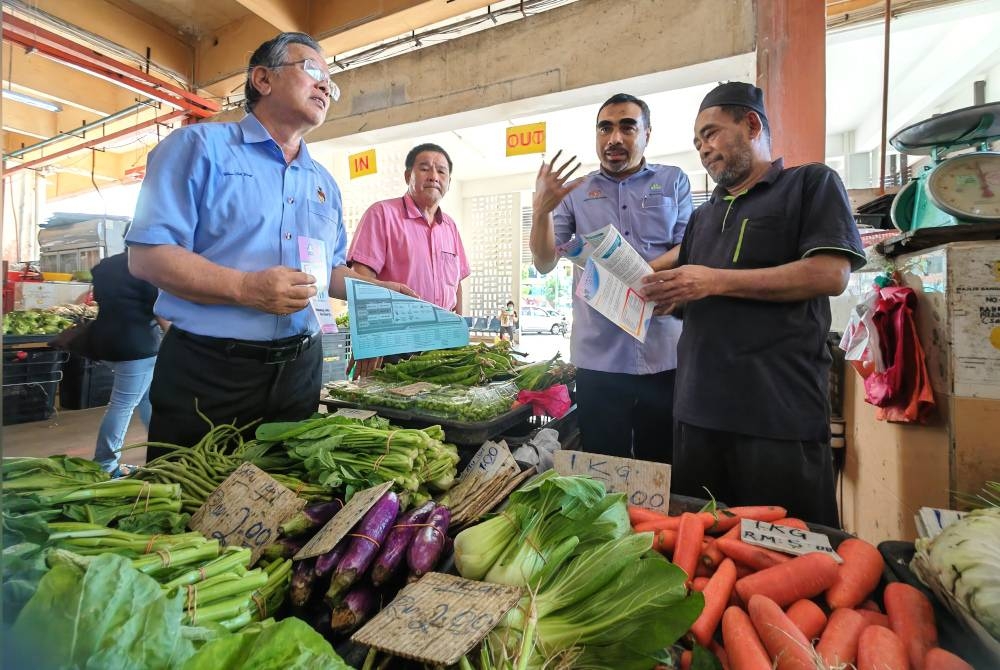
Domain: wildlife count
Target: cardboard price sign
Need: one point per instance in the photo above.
(646, 484)
(246, 510)
(785, 539)
(412, 389)
(491, 459)
(439, 618)
(337, 528)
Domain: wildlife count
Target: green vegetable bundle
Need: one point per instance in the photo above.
(456, 402)
(540, 376)
(62, 487)
(467, 366)
(346, 454)
(599, 598)
(200, 469)
(34, 322)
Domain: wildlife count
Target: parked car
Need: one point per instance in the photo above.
(538, 320)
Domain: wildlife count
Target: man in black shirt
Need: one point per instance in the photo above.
(757, 266)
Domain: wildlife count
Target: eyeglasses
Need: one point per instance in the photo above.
(317, 73)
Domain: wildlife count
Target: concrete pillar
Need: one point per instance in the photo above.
(791, 69)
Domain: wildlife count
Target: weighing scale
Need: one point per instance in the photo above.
(960, 189)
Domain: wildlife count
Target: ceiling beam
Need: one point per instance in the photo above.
(290, 16)
(76, 55)
(132, 29)
(36, 74)
(120, 135)
(338, 26)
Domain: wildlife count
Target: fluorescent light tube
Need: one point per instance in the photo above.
(29, 100)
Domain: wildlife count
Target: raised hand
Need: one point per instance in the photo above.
(552, 184)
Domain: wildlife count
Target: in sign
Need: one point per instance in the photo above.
(529, 139)
(362, 164)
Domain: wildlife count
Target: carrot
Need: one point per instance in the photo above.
(802, 577)
(663, 522)
(664, 541)
(743, 645)
(791, 522)
(786, 644)
(711, 557)
(757, 558)
(808, 616)
(638, 514)
(939, 659)
(698, 583)
(881, 649)
(716, 593)
(839, 643)
(720, 653)
(911, 617)
(686, 657)
(688, 549)
(742, 571)
(869, 605)
(857, 576)
(874, 618)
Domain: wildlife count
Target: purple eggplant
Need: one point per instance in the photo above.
(427, 546)
(395, 545)
(325, 563)
(366, 539)
(303, 578)
(309, 518)
(354, 609)
(283, 547)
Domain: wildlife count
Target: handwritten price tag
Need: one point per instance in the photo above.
(342, 522)
(491, 459)
(646, 484)
(439, 618)
(785, 539)
(413, 389)
(246, 510)
(360, 414)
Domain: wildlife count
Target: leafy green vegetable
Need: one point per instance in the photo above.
(288, 645)
(23, 567)
(109, 616)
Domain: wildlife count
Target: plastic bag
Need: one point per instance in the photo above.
(539, 449)
(553, 401)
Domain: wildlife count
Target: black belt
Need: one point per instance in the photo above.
(276, 351)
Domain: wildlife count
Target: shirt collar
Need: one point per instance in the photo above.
(772, 174)
(413, 212)
(645, 168)
(254, 132)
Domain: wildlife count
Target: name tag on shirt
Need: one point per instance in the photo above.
(312, 258)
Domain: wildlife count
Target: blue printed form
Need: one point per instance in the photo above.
(385, 322)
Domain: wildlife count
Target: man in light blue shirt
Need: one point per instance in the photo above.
(624, 387)
(223, 210)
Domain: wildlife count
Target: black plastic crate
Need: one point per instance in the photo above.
(86, 383)
(336, 351)
(23, 403)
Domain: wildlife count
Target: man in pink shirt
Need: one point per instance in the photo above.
(409, 239)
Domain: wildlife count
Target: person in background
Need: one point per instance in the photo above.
(222, 215)
(625, 388)
(508, 321)
(411, 240)
(755, 272)
(125, 336)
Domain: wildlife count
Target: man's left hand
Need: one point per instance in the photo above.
(399, 288)
(680, 285)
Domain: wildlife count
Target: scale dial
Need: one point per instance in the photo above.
(968, 186)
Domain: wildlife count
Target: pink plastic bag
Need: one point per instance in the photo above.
(553, 401)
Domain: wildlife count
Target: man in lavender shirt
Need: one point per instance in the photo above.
(625, 388)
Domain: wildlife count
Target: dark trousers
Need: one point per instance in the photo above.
(747, 470)
(227, 387)
(626, 415)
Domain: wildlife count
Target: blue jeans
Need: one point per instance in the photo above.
(131, 390)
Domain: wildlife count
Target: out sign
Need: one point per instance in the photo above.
(529, 139)
(362, 164)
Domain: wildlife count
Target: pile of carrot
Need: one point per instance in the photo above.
(773, 611)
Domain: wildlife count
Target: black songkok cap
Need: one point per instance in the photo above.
(735, 93)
